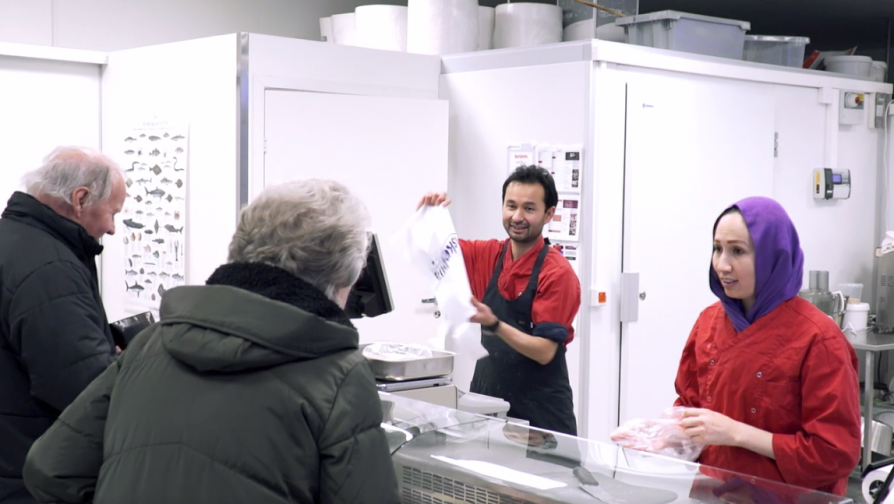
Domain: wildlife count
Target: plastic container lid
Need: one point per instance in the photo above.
(676, 16)
(848, 59)
(777, 39)
(858, 307)
(481, 404)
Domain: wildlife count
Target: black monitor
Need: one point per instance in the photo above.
(370, 296)
(124, 330)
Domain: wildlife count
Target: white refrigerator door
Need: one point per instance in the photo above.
(389, 152)
(694, 147)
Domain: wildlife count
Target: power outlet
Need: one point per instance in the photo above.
(852, 108)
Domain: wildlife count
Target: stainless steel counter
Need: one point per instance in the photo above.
(448, 456)
(872, 345)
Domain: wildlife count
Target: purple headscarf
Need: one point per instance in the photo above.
(778, 261)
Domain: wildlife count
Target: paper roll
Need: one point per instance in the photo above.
(527, 24)
(583, 30)
(326, 29)
(873, 481)
(344, 31)
(442, 26)
(611, 32)
(382, 27)
(485, 28)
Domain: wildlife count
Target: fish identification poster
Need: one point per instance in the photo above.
(154, 214)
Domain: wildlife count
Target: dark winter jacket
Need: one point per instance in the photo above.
(54, 336)
(249, 390)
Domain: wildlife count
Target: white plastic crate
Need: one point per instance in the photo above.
(682, 31)
(775, 50)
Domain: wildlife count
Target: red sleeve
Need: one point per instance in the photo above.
(686, 383)
(827, 447)
(558, 296)
(480, 261)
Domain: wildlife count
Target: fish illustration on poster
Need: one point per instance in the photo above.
(154, 158)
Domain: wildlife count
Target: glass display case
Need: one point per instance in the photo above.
(445, 456)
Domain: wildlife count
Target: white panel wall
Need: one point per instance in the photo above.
(301, 63)
(43, 104)
(194, 82)
(837, 236)
(26, 21)
(489, 111)
(112, 25)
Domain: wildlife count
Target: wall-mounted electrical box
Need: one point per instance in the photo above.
(852, 109)
(877, 105)
(831, 184)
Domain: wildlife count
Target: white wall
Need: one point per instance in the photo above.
(489, 111)
(837, 236)
(43, 104)
(111, 25)
(26, 21)
(193, 82)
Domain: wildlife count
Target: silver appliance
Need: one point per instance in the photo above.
(830, 303)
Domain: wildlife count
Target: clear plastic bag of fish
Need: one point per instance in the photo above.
(661, 436)
(396, 352)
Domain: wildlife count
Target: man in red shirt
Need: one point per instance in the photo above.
(529, 297)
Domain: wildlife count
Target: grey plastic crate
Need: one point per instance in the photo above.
(775, 50)
(682, 31)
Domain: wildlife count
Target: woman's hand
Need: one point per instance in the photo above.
(711, 428)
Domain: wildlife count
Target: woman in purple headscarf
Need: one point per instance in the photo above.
(770, 382)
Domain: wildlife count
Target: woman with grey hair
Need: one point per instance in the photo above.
(250, 388)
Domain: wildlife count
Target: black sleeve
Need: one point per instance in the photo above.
(552, 331)
(60, 333)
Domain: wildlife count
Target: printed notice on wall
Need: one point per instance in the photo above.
(570, 251)
(155, 167)
(564, 163)
(520, 155)
(565, 223)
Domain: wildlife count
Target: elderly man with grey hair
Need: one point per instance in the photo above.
(54, 336)
(251, 389)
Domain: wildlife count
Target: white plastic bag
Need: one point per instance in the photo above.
(662, 436)
(430, 243)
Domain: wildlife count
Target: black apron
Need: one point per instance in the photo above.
(537, 393)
